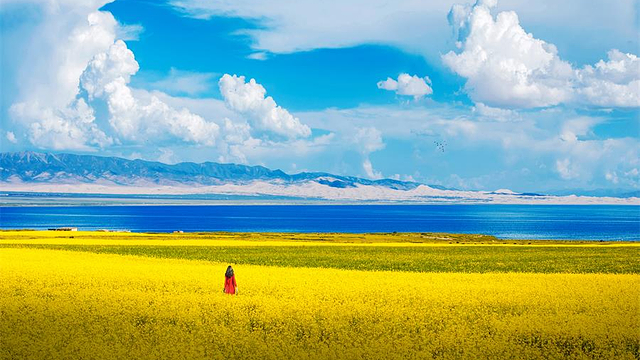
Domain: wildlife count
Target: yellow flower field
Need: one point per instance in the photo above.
(77, 305)
(275, 239)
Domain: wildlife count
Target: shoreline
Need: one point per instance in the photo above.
(44, 199)
(298, 238)
(263, 191)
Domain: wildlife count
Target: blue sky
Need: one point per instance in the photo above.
(484, 95)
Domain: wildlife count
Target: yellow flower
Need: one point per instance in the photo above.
(63, 304)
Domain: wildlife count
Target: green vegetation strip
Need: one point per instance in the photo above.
(469, 259)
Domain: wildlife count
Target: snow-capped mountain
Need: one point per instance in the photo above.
(34, 167)
(69, 173)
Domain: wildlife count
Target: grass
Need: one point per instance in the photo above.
(467, 259)
(225, 238)
(417, 252)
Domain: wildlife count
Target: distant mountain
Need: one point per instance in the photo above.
(35, 172)
(621, 193)
(35, 167)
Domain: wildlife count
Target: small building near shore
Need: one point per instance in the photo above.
(65, 228)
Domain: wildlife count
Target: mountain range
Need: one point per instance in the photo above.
(70, 173)
(34, 167)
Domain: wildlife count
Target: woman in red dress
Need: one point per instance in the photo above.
(230, 286)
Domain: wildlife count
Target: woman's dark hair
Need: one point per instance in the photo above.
(229, 272)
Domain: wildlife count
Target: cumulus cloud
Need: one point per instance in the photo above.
(507, 67)
(76, 95)
(65, 47)
(574, 128)
(239, 142)
(612, 176)
(408, 85)
(137, 116)
(306, 25)
(11, 137)
(504, 65)
(91, 67)
(300, 149)
(566, 170)
(493, 113)
(47, 105)
(369, 170)
(615, 82)
(248, 98)
(290, 26)
(524, 151)
(75, 92)
(368, 140)
(71, 127)
(117, 64)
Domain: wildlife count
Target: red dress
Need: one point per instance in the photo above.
(230, 285)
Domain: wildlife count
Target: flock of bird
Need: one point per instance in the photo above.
(441, 145)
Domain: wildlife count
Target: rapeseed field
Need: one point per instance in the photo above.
(88, 304)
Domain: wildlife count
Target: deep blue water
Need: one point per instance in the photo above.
(504, 221)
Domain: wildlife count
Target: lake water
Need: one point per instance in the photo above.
(504, 221)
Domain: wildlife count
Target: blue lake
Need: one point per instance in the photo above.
(504, 221)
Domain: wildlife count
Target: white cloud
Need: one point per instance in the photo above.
(252, 150)
(408, 85)
(54, 114)
(483, 149)
(87, 101)
(258, 55)
(368, 140)
(237, 138)
(201, 106)
(287, 26)
(368, 169)
(248, 98)
(305, 25)
(65, 42)
(612, 176)
(507, 67)
(71, 127)
(493, 113)
(615, 82)
(167, 156)
(139, 115)
(184, 82)
(577, 127)
(67, 121)
(504, 65)
(76, 63)
(566, 170)
(117, 64)
(11, 137)
(61, 5)
(46, 104)
(129, 32)
(236, 141)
